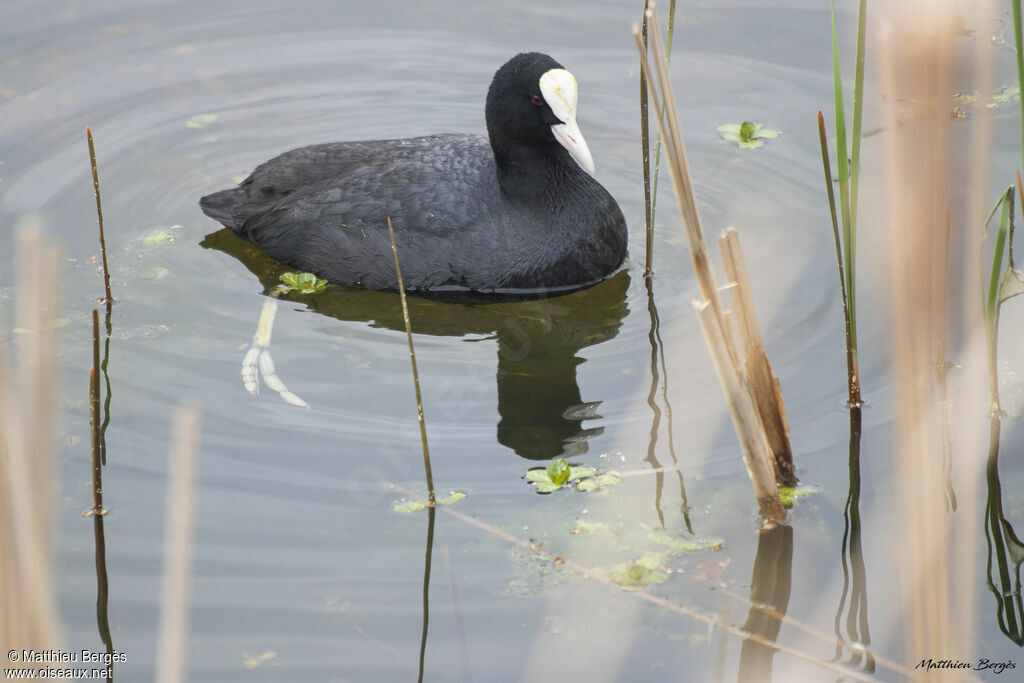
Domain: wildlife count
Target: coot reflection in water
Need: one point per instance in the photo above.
(539, 400)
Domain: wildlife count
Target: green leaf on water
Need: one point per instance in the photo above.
(304, 283)
(747, 135)
(1008, 94)
(790, 495)
(558, 471)
(641, 573)
(577, 472)
(201, 120)
(159, 236)
(677, 545)
(599, 481)
(453, 497)
(417, 505)
(557, 474)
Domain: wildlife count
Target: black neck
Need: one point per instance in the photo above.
(538, 174)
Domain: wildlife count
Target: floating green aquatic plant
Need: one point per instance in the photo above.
(677, 544)
(643, 572)
(304, 283)
(747, 135)
(789, 495)
(964, 101)
(159, 236)
(201, 120)
(417, 505)
(599, 481)
(558, 474)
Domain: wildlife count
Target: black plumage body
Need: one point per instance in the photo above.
(511, 214)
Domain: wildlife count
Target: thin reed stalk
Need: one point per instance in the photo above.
(95, 429)
(415, 372)
(99, 212)
(645, 154)
(651, 187)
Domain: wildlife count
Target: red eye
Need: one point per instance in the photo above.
(537, 99)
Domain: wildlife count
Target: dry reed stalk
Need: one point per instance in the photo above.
(28, 614)
(180, 512)
(916, 68)
(764, 385)
(718, 329)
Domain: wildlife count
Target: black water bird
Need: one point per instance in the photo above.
(516, 213)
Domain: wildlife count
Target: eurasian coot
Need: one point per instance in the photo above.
(517, 213)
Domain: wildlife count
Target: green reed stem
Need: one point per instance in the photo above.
(858, 108)
(848, 166)
(415, 372)
(851, 359)
(1005, 207)
(843, 163)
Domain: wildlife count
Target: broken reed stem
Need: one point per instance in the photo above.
(415, 372)
(99, 212)
(744, 418)
(94, 418)
(717, 329)
(179, 515)
(764, 385)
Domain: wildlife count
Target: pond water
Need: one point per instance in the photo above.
(302, 568)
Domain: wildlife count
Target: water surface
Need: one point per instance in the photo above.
(303, 571)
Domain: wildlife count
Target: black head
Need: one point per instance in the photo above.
(531, 107)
